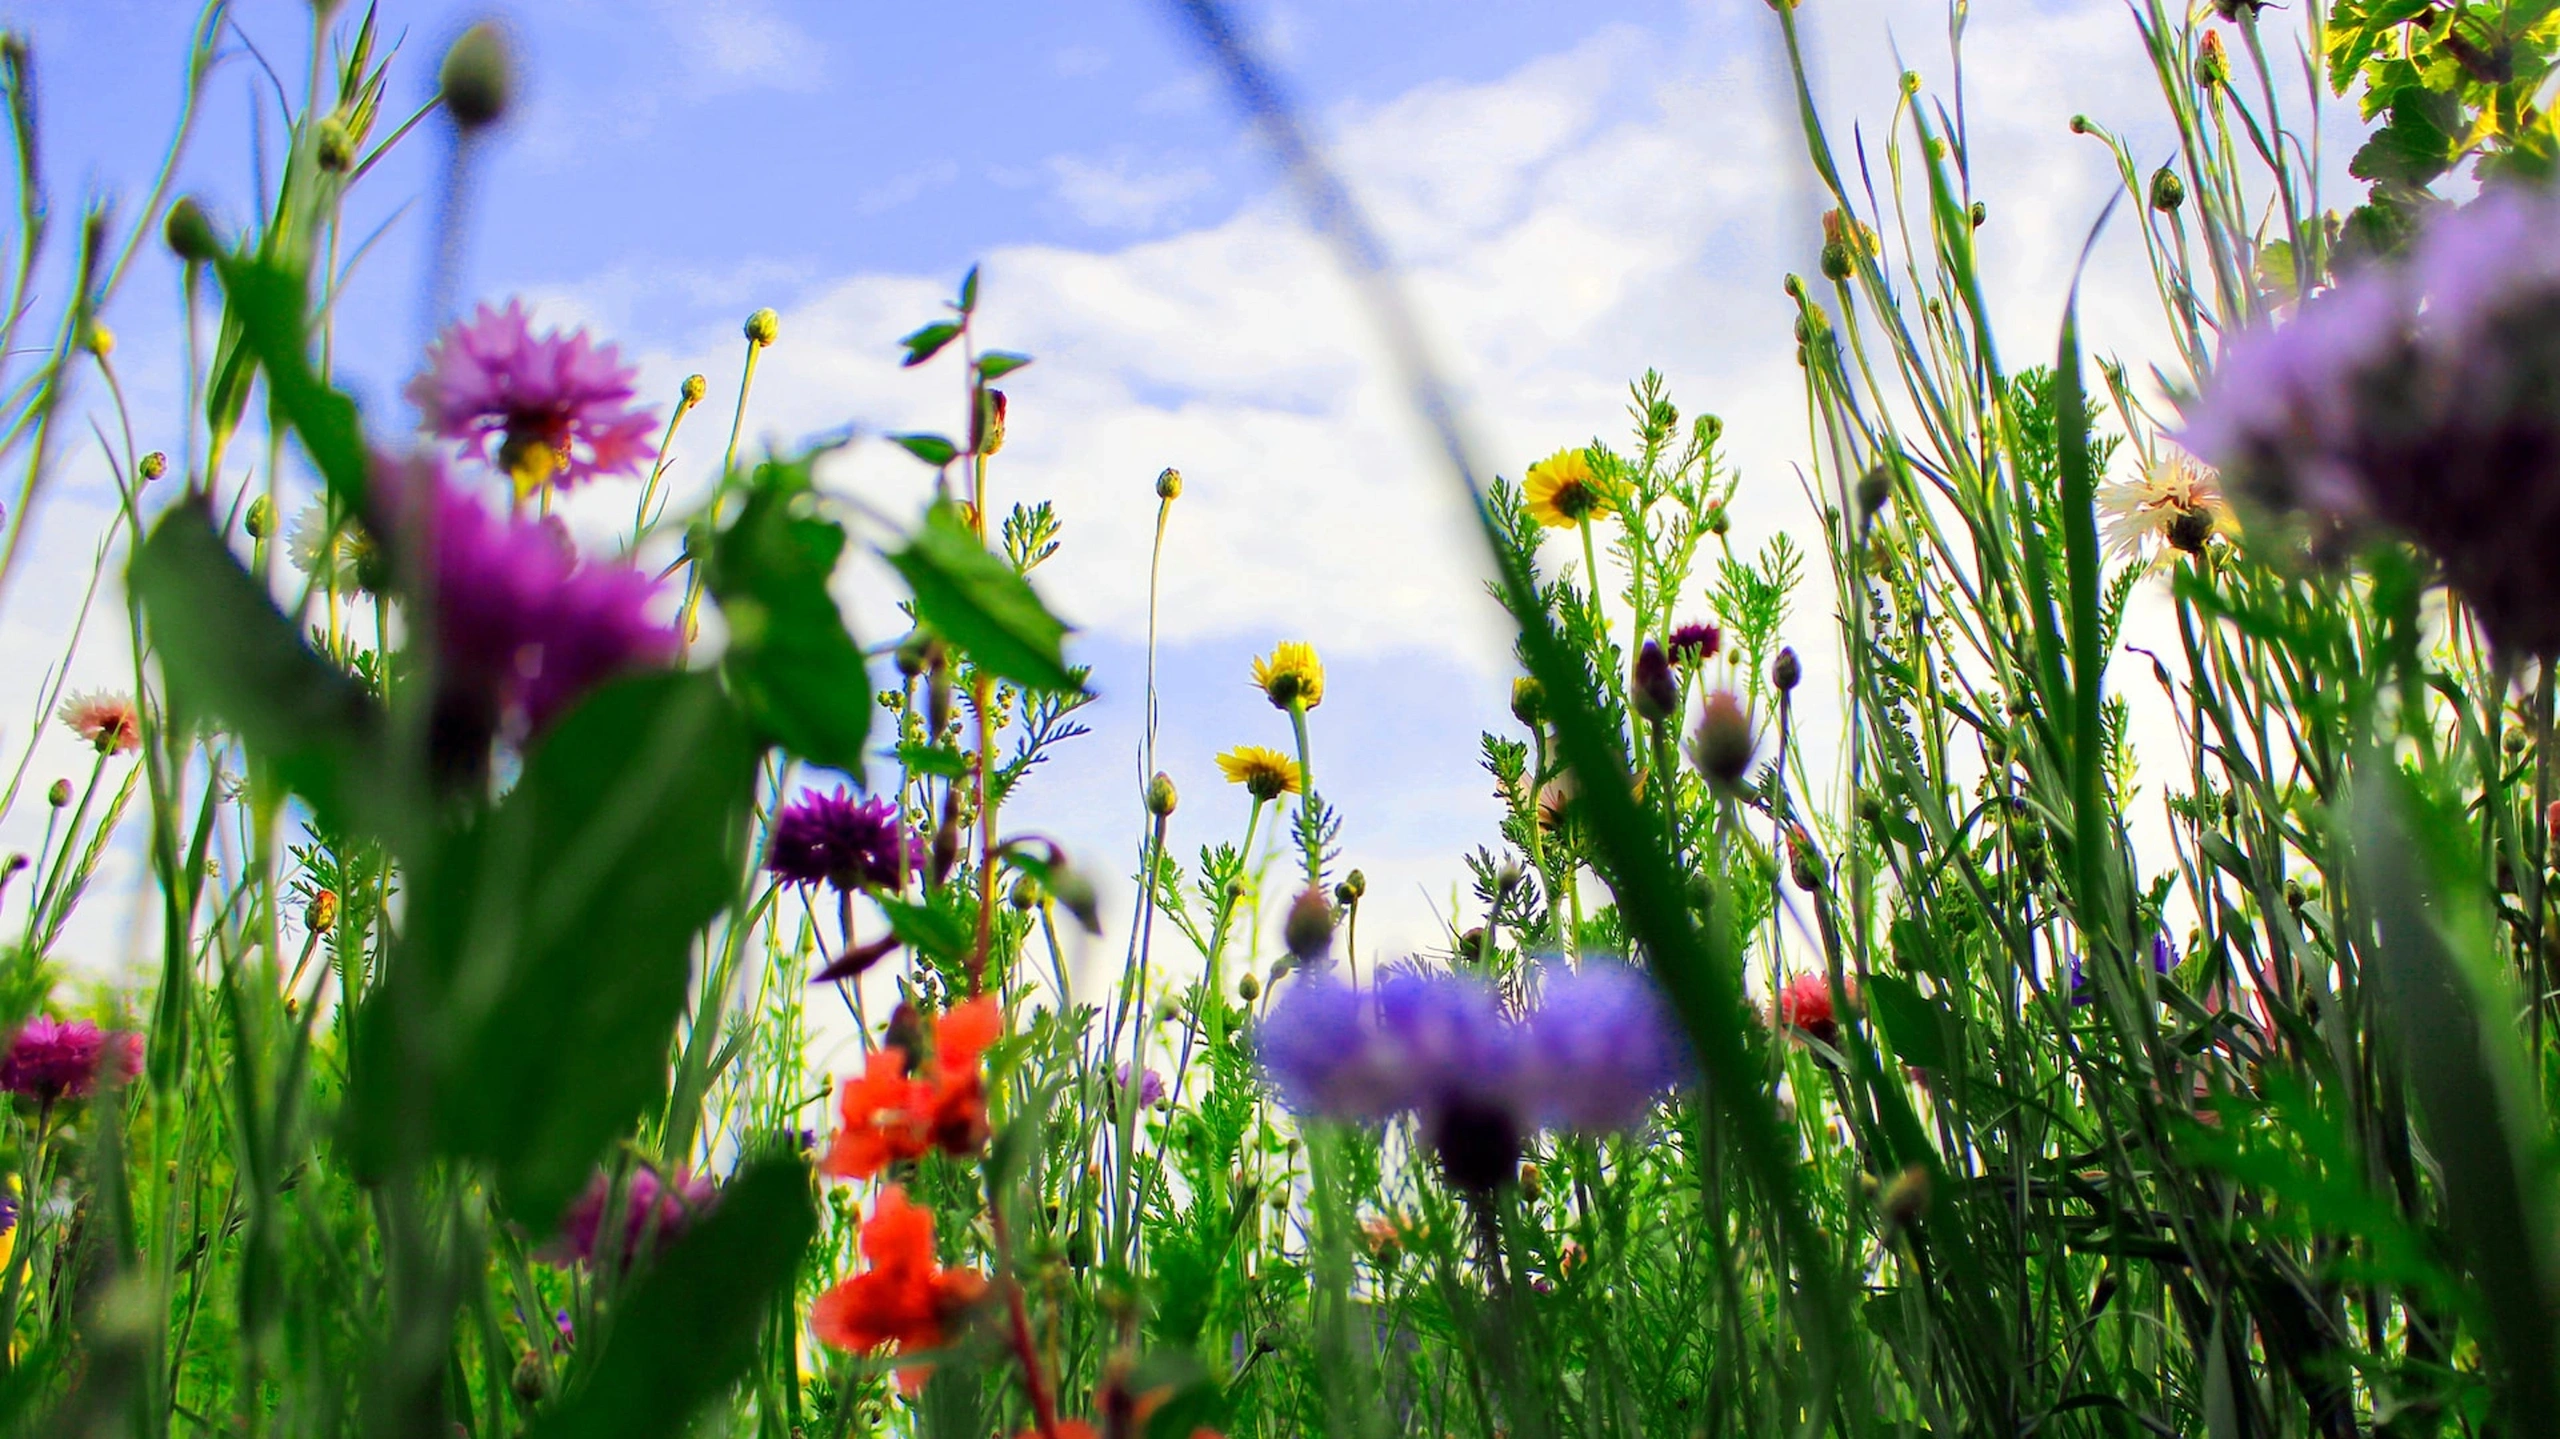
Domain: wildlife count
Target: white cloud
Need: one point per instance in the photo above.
(743, 45)
(1116, 194)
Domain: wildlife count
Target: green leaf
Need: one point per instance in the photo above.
(791, 662)
(270, 303)
(980, 605)
(969, 291)
(937, 934)
(2414, 146)
(228, 652)
(691, 1325)
(996, 364)
(932, 449)
(926, 343)
(550, 939)
(939, 761)
(1918, 1026)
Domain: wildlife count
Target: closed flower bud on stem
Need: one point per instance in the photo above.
(478, 77)
(1874, 488)
(98, 340)
(1161, 795)
(320, 915)
(2168, 192)
(695, 387)
(1653, 689)
(1528, 701)
(334, 146)
(59, 795)
(261, 519)
(189, 234)
(1357, 883)
(1786, 671)
(152, 466)
(1169, 484)
(1723, 743)
(1308, 932)
(1249, 989)
(763, 328)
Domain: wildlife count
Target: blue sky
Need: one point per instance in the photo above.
(1579, 192)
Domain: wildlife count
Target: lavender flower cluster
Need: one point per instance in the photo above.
(1592, 1056)
(2423, 397)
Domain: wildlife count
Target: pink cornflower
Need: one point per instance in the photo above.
(1804, 1003)
(655, 1213)
(107, 721)
(558, 405)
(51, 1060)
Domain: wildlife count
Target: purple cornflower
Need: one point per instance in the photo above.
(839, 840)
(2163, 959)
(2424, 397)
(654, 1213)
(524, 626)
(50, 1060)
(1150, 1085)
(1692, 643)
(1604, 1045)
(559, 406)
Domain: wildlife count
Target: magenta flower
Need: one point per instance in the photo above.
(50, 1060)
(838, 840)
(1696, 643)
(559, 406)
(654, 1212)
(524, 626)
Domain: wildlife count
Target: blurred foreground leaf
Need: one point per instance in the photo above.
(692, 1324)
(269, 302)
(791, 661)
(976, 601)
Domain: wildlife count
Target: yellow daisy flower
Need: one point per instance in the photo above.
(1291, 674)
(1267, 773)
(1563, 490)
(2177, 504)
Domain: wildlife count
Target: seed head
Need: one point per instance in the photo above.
(1786, 670)
(478, 78)
(1309, 929)
(763, 328)
(1161, 795)
(2168, 192)
(1169, 484)
(189, 234)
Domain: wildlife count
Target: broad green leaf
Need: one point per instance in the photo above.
(932, 449)
(940, 761)
(791, 662)
(1919, 1026)
(975, 600)
(937, 934)
(269, 303)
(996, 364)
(231, 654)
(2416, 145)
(927, 342)
(550, 939)
(692, 1324)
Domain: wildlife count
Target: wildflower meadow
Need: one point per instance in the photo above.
(1861, 1017)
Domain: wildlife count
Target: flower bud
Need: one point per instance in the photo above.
(1981, 212)
(261, 519)
(478, 77)
(1837, 263)
(2168, 192)
(189, 234)
(1308, 932)
(1169, 484)
(1718, 523)
(1075, 894)
(1528, 701)
(1786, 670)
(152, 466)
(532, 1379)
(98, 340)
(1025, 894)
(1805, 864)
(695, 387)
(59, 795)
(321, 914)
(1357, 883)
(915, 653)
(1874, 488)
(1652, 689)
(1161, 796)
(334, 146)
(2211, 68)
(763, 328)
(1249, 988)
(1722, 745)
(987, 436)
(1532, 1184)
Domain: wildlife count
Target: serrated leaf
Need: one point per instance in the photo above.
(791, 661)
(926, 343)
(691, 1325)
(934, 450)
(229, 653)
(996, 364)
(977, 603)
(2413, 147)
(269, 302)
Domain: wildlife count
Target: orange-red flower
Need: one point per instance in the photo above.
(906, 1301)
(891, 1113)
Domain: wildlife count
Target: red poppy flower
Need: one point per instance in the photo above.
(890, 1114)
(905, 1301)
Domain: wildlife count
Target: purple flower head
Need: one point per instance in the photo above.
(558, 406)
(2163, 960)
(655, 1213)
(524, 626)
(1653, 688)
(1696, 643)
(1321, 1049)
(51, 1060)
(1602, 1044)
(1150, 1085)
(838, 840)
(2425, 398)
(8, 1211)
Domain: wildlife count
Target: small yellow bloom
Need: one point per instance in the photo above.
(1266, 773)
(1292, 675)
(1563, 491)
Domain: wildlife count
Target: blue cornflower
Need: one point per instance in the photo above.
(2163, 959)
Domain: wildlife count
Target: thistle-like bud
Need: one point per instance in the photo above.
(320, 915)
(1652, 689)
(1722, 745)
(1169, 484)
(1528, 701)
(478, 77)
(1308, 931)
(189, 234)
(1837, 263)
(2168, 192)
(152, 466)
(1161, 795)
(334, 145)
(1786, 671)
(695, 387)
(261, 519)
(59, 795)
(763, 327)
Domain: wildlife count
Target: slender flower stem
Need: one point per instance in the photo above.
(1313, 838)
(728, 463)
